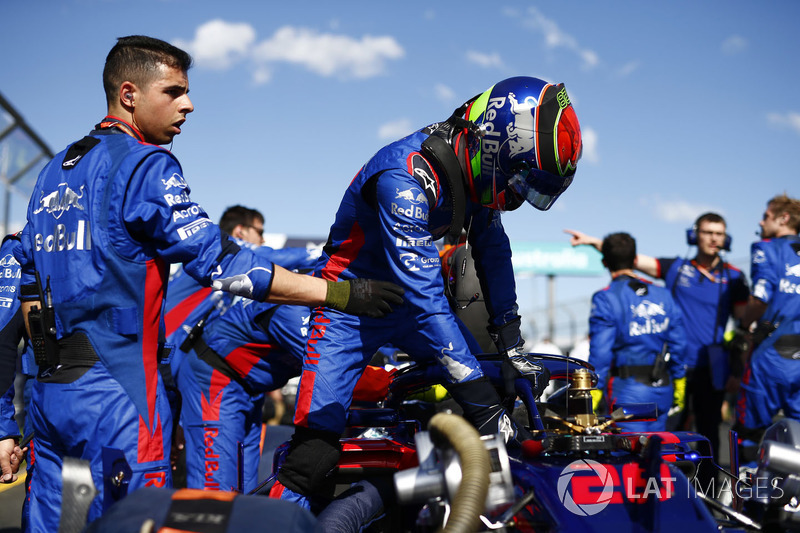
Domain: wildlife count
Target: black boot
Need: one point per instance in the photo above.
(483, 408)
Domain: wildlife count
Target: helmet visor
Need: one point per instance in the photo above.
(539, 188)
(558, 133)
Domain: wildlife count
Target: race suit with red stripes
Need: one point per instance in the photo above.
(398, 204)
(107, 216)
(252, 348)
(385, 229)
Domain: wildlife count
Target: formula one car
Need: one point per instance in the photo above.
(579, 472)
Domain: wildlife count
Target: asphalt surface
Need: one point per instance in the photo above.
(11, 497)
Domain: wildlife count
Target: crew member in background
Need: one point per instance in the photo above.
(12, 332)
(708, 292)
(772, 380)
(191, 306)
(636, 338)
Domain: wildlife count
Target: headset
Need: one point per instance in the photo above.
(691, 236)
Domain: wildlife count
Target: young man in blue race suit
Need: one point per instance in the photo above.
(636, 338)
(518, 141)
(107, 216)
(772, 380)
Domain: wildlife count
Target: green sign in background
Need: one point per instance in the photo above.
(556, 259)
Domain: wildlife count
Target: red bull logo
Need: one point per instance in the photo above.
(647, 309)
(8, 261)
(62, 239)
(521, 129)
(211, 458)
(60, 201)
(408, 194)
(174, 181)
(155, 479)
(793, 270)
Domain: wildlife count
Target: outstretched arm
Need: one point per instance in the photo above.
(644, 263)
(358, 296)
(578, 238)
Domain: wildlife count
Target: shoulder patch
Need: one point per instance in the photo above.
(422, 171)
(78, 150)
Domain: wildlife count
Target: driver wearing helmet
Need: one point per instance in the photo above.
(518, 141)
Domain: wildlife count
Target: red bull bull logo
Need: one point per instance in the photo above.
(8, 261)
(793, 270)
(409, 195)
(174, 181)
(521, 129)
(60, 201)
(646, 309)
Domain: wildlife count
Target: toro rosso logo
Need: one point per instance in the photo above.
(60, 201)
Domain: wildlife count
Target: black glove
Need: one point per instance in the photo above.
(364, 297)
(507, 336)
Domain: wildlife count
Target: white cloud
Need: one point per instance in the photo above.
(680, 210)
(444, 93)
(589, 138)
(218, 44)
(786, 120)
(396, 129)
(734, 44)
(262, 75)
(484, 60)
(328, 54)
(628, 68)
(555, 37)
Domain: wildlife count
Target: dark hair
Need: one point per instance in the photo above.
(238, 215)
(709, 217)
(619, 251)
(136, 58)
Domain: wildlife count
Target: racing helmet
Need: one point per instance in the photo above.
(528, 143)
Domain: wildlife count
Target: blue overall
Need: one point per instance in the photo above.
(772, 381)
(630, 322)
(107, 216)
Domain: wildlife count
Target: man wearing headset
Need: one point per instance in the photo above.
(708, 291)
(518, 141)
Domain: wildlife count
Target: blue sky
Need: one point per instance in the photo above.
(685, 106)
